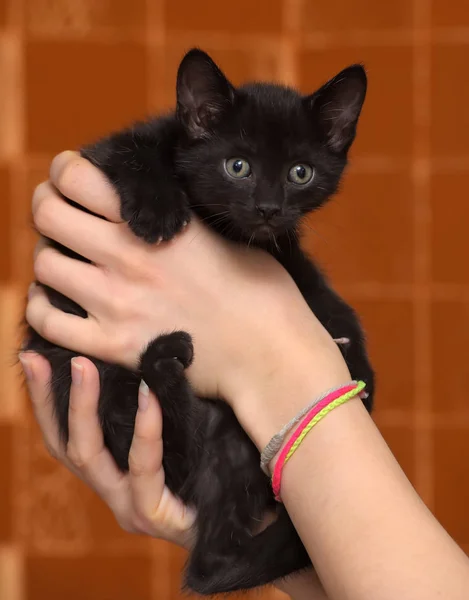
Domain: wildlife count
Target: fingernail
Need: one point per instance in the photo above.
(28, 371)
(31, 289)
(77, 372)
(143, 396)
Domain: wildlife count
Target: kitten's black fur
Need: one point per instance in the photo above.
(163, 169)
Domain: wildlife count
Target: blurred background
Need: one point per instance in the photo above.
(395, 240)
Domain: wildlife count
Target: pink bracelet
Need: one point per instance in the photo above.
(346, 392)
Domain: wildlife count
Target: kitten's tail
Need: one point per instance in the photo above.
(273, 554)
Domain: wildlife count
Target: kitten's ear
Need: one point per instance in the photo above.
(337, 106)
(203, 93)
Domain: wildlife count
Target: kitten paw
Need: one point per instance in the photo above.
(175, 347)
(158, 219)
(160, 239)
(154, 228)
(163, 363)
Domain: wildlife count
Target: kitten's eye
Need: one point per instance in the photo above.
(237, 167)
(301, 174)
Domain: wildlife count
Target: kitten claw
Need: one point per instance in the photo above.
(343, 341)
(159, 240)
(185, 224)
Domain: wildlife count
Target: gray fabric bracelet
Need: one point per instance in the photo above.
(276, 442)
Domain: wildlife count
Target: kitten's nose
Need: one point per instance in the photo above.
(267, 211)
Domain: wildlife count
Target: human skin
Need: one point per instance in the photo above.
(260, 348)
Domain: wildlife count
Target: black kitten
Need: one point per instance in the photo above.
(266, 156)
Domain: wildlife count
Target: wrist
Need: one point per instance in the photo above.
(293, 368)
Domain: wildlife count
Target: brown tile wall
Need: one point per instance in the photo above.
(394, 241)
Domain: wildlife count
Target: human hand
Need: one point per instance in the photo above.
(139, 500)
(254, 334)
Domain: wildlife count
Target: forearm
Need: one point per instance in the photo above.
(367, 532)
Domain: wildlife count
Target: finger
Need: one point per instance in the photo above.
(89, 236)
(85, 448)
(146, 453)
(152, 501)
(73, 278)
(37, 372)
(85, 184)
(70, 331)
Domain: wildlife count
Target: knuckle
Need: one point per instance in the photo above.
(76, 456)
(30, 314)
(40, 191)
(117, 305)
(130, 262)
(146, 433)
(137, 467)
(42, 264)
(48, 327)
(134, 264)
(68, 175)
(34, 315)
(52, 451)
(128, 526)
(43, 213)
(141, 521)
(124, 525)
(80, 458)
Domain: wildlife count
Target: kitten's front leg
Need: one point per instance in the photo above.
(162, 367)
(139, 162)
(155, 211)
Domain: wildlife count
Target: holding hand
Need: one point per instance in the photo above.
(139, 500)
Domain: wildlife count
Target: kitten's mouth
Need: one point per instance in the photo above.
(272, 231)
(262, 232)
(265, 231)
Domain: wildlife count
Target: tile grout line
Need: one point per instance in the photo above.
(434, 421)
(12, 572)
(14, 578)
(155, 43)
(288, 64)
(423, 446)
(325, 39)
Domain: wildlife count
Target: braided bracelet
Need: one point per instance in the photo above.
(277, 440)
(317, 413)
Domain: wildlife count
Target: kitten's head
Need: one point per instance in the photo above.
(261, 156)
